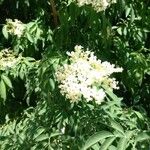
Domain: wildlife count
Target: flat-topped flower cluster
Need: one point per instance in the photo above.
(15, 27)
(84, 76)
(8, 59)
(98, 5)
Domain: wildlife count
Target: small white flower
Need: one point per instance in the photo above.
(99, 97)
(98, 5)
(105, 3)
(9, 60)
(84, 76)
(15, 27)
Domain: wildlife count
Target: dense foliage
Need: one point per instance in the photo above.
(41, 103)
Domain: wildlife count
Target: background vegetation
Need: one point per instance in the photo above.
(34, 115)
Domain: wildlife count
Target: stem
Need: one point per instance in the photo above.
(54, 12)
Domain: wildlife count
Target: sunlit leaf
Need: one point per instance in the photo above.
(5, 32)
(117, 126)
(7, 81)
(30, 38)
(41, 137)
(107, 143)
(143, 136)
(96, 138)
(2, 90)
(128, 10)
(52, 84)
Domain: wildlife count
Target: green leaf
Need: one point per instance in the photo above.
(38, 33)
(107, 143)
(112, 147)
(30, 38)
(7, 81)
(128, 10)
(132, 15)
(117, 126)
(21, 75)
(125, 31)
(52, 84)
(96, 138)
(38, 132)
(143, 136)
(2, 90)
(55, 134)
(119, 30)
(139, 115)
(122, 144)
(111, 94)
(4, 31)
(96, 146)
(41, 137)
(32, 27)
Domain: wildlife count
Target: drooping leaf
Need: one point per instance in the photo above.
(107, 143)
(128, 10)
(30, 38)
(38, 133)
(96, 138)
(117, 126)
(52, 84)
(119, 30)
(2, 90)
(143, 136)
(95, 146)
(111, 94)
(7, 81)
(132, 15)
(4, 31)
(123, 142)
(55, 134)
(41, 137)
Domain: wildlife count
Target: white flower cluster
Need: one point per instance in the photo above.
(7, 59)
(84, 76)
(98, 5)
(15, 27)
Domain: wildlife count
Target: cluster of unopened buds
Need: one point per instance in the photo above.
(98, 5)
(84, 76)
(15, 27)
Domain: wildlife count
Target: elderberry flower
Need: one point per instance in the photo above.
(15, 27)
(84, 76)
(8, 59)
(98, 5)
